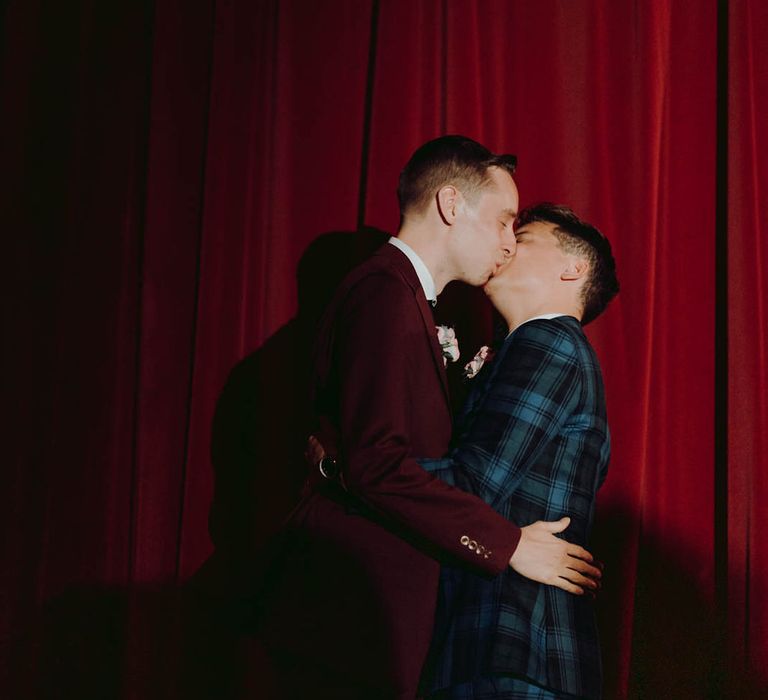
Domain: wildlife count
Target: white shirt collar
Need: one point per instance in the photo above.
(534, 318)
(425, 277)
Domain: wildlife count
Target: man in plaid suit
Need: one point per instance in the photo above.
(533, 442)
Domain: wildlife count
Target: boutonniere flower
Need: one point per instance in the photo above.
(449, 344)
(484, 354)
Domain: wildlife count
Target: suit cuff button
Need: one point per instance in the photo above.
(464, 540)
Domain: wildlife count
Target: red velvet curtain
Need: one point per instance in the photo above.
(181, 179)
(747, 343)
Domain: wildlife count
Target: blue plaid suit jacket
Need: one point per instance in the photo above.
(532, 441)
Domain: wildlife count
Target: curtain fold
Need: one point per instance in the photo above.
(183, 188)
(747, 344)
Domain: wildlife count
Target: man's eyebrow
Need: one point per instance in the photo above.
(509, 213)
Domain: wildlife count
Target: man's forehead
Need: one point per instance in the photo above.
(540, 227)
(501, 178)
(503, 187)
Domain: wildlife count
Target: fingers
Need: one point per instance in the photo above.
(308, 448)
(316, 448)
(583, 567)
(567, 586)
(555, 526)
(574, 550)
(314, 451)
(579, 579)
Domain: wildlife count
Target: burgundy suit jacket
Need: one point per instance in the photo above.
(358, 580)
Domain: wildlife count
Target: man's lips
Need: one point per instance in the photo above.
(500, 266)
(496, 268)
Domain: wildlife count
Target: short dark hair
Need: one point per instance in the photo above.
(580, 238)
(447, 160)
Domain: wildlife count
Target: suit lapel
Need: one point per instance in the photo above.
(431, 330)
(401, 262)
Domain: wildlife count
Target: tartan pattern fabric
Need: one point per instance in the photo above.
(532, 441)
(496, 688)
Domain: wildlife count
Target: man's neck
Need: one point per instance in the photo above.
(516, 316)
(425, 245)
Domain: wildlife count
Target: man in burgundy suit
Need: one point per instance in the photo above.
(351, 596)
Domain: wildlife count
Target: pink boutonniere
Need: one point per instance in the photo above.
(449, 344)
(484, 354)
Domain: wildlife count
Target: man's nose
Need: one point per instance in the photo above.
(509, 247)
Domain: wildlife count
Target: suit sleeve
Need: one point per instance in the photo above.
(532, 395)
(379, 328)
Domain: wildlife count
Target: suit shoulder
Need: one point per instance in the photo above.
(573, 341)
(379, 289)
(378, 270)
(562, 335)
(378, 282)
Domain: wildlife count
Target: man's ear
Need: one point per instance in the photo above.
(447, 198)
(576, 269)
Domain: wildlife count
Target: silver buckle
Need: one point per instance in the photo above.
(328, 468)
